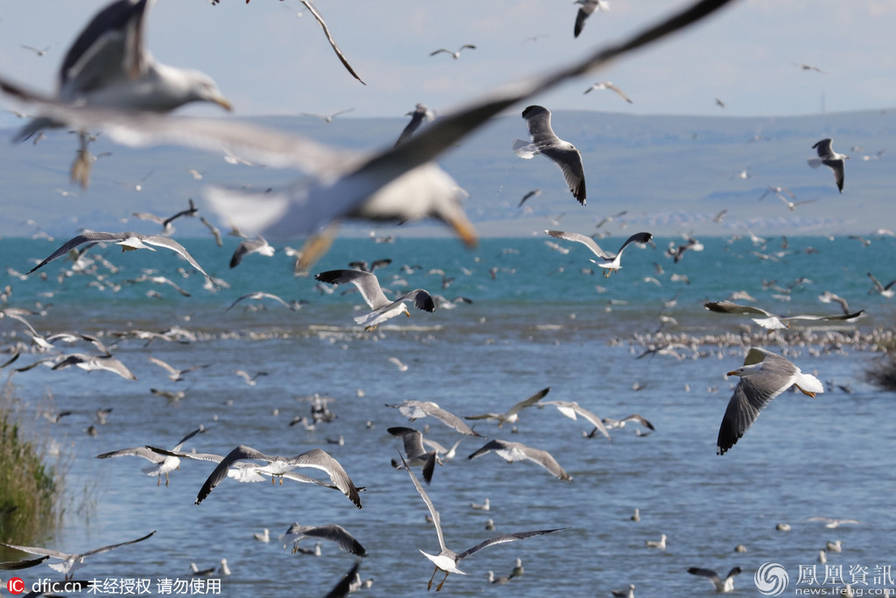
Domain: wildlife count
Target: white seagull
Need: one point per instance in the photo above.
(259, 246)
(831, 159)
(512, 415)
(763, 376)
(571, 409)
(414, 410)
(328, 118)
(545, 141)
(723, 586)
(161, 464)
(610, 261)
(517, 451)
(383, 309)
(454, 55)
(446, 561)
(601, 85)
(586, 8)
(770, 321)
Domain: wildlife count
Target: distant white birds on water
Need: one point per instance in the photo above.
(562, 153)
(454, 55)
(828, 157)
(658, 544)
(610, 262)
(447, 560)
(383, 309)
(722, 586)
(763, 377)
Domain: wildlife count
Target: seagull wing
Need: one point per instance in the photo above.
(367, 284)
(320, 459)
(335, 533)
(705, 573)
(139, 451)
(640, 420)
(527, 402)
(503, 539)
(181, 442)
(584, 240)
(9, 566)
(416, 119)
(113, 546)
(332, 41)
(619, 92)
(433, 514)
(839, 172)
(412, 439)
(38, 550)
(220, 472)
(635, 238)
(213, 229)
(78, 240)
(422, 299)
(592, 418)
(441, 50)
(847, 317)
(343, 587)
(824, 148)
(447, 418)
(169, 243)
(729, 307)
(165, 366)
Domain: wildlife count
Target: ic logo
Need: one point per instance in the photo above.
(15, 585)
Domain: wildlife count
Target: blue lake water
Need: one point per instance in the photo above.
(540, 322)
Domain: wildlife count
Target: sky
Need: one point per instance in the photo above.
(268, 59)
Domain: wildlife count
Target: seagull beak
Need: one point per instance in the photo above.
(734, 373)
(223, 103)
(464, 230)
(407, 313)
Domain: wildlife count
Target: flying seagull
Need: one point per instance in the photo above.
(108, 66)
(831, 159)
(38, 51)
(884, 290)
(278, 466)
(382, 308)
(418, 115)
(571, 409)
(771, 321)
(517, 451)
(259, 246)
(174, 374)
(612, 424)
(317, 16)
(609, 85)
(832, 523)
(344, 586)
(258, 295)
(512, 415)
(161, 464)
(415, 451)
(610, 261)
(328, 118)
(723, 586)
(763, 376)
(454, 55)
(128, 241)
(332, 532)
(446, 561)
(586, 8)
(69, 562)
(91, 363)
(529, 195)
(396, 183)
(545, 141)
(414, 410)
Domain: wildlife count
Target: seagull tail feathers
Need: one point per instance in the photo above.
(524, 149)
(809, 382)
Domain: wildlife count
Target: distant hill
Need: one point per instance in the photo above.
(672, 174)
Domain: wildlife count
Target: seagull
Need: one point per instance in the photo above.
(791, 205)
(91, 363)
(545, 141)
(190, 211)
(415, 451)
(454, 55)
(723, 586)
(809, 67)
(831, 159)
(69, 562)
(335, 533)
(771, 321)
(174, 374)
(263, 536)
(418, 115)
(721, 104)
(609, 85)
(396, 183)
(108, 66)
(517, 451)
(777, 190)
(279, 466)
(612, 424)
(250, 380)
(528, 195)
(627, 593)
(886, 291)
(571, 409)
(658, 544)
(447, 560)
(586, 8)
(344, 586)
(258, 295)
(611, 261)
(259, 246)
(213, 230)
(763, 376)
(512, 415)
(485, 505)
(414, 410)
(162, 464)
(832, 523)
(38, 51)
(128, 241)
(382, 308)
(328, 118)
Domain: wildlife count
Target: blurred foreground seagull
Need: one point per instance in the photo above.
(723, 586)
(162, 464)
(128, 241)
(763, 376)
(611, 261)
(771, 321)
(383, 308)
(831, 159)
(545, 141)
(395, 183)
(69, 562)
(512, 415)
(108, 66)
(587, 7)
(414, 410)
(446, 561)
(517, 451)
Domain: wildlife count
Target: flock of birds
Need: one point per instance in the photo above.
(108, 82)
